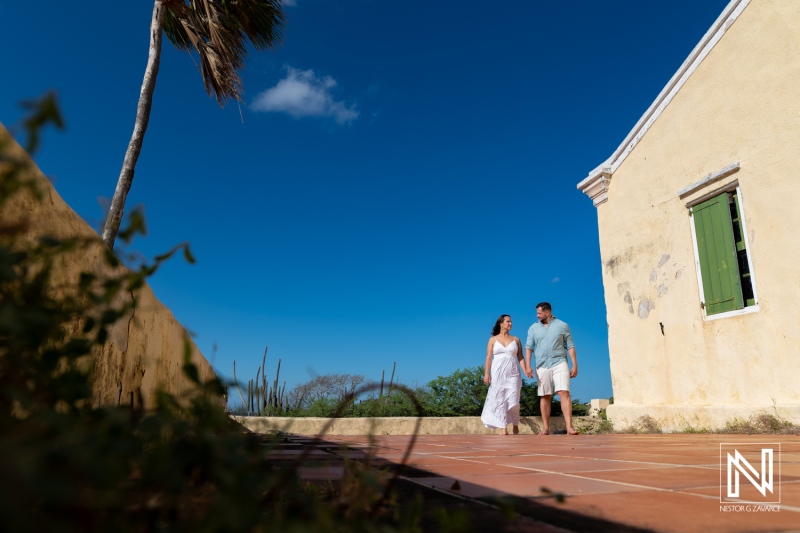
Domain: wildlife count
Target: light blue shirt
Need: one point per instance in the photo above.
(549, 344)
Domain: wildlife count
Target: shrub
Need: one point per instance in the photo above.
(462, 393)
(762, 423)
(392, 403)
(322, 407)
(596, 425)
(644, 425)
(529, 399)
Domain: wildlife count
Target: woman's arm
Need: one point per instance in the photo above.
(520, 358)
(487, 375)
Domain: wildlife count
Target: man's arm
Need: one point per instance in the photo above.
(528, 368)
(528, 352)
(569, 344)
(574, 372)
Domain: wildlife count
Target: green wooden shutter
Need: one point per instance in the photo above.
(717, 253)
(741, 251)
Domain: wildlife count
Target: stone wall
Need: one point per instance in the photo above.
(400, 425)
(145, 350)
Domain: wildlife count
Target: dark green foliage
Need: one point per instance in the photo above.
(182, 465)
(43, 111)
(529, 399)
(323, 408)
(392, 403)
(462, 393)
(579, 408)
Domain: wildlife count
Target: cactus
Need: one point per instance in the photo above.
(249, 396)
(275, 386)
(236, 382)
(264, 398)
(269, 399)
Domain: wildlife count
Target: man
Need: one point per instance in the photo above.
(550, 340)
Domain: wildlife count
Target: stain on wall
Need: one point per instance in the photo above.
(624, 290)
(641, 294)
(645, 306)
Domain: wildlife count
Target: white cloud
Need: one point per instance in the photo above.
(289, 2)
(555, 280)
(302, 94)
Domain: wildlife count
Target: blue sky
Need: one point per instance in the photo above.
(398, 175)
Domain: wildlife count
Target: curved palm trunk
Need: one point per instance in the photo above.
(142, 118)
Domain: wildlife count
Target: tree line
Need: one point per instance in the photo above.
(461, 393)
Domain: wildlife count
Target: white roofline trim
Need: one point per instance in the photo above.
(703, 48)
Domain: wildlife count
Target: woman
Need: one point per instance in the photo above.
(503, 357)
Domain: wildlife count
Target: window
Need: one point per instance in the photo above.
(723, 264)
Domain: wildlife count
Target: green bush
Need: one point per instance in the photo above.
(322, 407)
(392, 403)
(529, 399)
(462, 393)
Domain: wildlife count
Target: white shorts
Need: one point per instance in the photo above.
(555, 378)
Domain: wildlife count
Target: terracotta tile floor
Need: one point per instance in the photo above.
(636, 482)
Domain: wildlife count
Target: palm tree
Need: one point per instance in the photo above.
(219, 31)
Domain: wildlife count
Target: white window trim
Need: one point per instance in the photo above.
(708, 180)
(737, 312)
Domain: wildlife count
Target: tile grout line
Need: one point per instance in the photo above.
(665, 465)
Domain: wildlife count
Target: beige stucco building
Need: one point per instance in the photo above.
(698, 223)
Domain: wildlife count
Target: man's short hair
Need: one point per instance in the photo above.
(544, 306)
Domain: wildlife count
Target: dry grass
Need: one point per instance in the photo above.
(761, 424)
(643, 425)
(591, 425)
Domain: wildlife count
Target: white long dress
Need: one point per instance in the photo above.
(502, 401)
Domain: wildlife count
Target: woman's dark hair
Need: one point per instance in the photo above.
(496, 328)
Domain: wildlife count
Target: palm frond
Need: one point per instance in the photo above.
(219, 31)
(261, 21)
(173, 29)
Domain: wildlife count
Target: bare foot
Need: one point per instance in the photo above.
(504, 432)
(571, 431)
(544, 432)
(516, 430)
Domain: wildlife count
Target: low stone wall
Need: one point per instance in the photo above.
(462, 425)
(144, 351)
